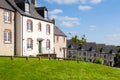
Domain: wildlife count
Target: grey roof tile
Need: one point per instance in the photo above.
(33, 13)
(4, 4)
(57, 31)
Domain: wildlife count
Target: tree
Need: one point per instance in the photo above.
(79, 41)
(98, 60)
(117, 60)
(75, 38)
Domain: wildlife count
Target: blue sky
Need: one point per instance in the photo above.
(99, 20)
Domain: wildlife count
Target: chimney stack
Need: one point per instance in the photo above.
(34, 2)
(54, 22)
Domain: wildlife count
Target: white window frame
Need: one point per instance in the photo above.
(47, 44)
(7, 16)
(29, 44)
(29, 26)
(7, 37)
(47, 29)
(27, 9)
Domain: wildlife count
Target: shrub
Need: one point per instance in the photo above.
(98, 60)
(79, 58)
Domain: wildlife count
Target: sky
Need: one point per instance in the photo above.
(98, 20)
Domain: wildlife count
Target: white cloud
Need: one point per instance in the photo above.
(67, 21)
(92, 27)
(83, 1)
(63, 1)
(56, 11)
(70, 23)
(113, 39)
(95, 1)
(84, 8)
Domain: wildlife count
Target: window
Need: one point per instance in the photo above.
(29, 26)
(48, 44)
(84, 53)
(7, 16)
(39, 26)
(27, 7)
(95, 55)
(63, 39)
(7, 36)
(104, 56)
(29, 43)
(57, 38)
(47, 29)
(45, 14)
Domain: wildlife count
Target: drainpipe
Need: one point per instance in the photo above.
(15, 33)
(22, 37)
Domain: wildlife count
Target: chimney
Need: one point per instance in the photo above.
(34, 2)
(54, 22)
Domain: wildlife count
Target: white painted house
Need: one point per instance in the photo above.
(34, 31)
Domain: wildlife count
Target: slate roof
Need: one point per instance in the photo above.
(72, 45)
(92, 46)
(33, 13)
(110, 49)
(5, 5)
(57, 31)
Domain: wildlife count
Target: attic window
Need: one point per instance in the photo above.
(45, 14)
(27, 7)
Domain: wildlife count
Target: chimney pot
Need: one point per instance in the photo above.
(34, 2)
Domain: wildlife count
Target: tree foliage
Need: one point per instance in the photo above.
(79, 41)
(117, 60)
(98, 60)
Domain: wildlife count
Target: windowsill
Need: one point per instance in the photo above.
(48, 48)
(7, 42)
(29, 31)
(7, 22)
(29, 49)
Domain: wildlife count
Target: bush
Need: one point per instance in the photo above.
(79, 58)
(98, 60)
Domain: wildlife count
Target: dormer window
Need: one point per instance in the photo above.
(27, 7)
(101, 50)
(45, 14)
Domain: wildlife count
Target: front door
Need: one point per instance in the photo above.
(39, 47)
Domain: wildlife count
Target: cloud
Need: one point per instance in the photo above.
(113, 39)
(65, 21)
(95, 1)
(56, 11)
(63, 1)
(84, 8)
(83, 1)
(92, 27)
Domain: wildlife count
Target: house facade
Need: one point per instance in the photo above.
(6, 29)
(59, 43)
(90, 51)
(34, 30)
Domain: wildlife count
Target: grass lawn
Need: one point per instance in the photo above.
(33, 69)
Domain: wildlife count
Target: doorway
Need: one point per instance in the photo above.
(40, 47)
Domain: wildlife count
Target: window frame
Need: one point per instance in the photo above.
(7, 36)
(7, 16)
(29, 44)
(47, 44)
(39, 27)
(48, 29)
(27, 7)
(29, 26)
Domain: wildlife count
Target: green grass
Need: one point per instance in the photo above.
(33, 69)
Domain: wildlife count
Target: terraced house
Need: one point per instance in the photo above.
(34, 30)
(6, 29)
(90, 50)
(59, 43)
